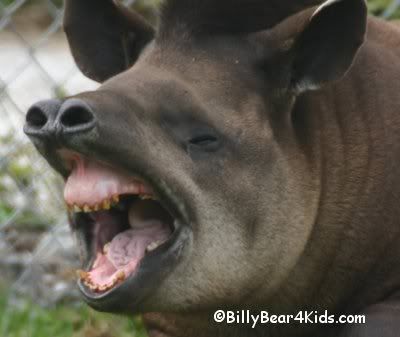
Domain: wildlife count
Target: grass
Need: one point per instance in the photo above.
(30, 320)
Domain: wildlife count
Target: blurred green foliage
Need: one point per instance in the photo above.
(30, 320)
(16, 175)
(378, 7)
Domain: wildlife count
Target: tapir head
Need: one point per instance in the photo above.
(189, 173)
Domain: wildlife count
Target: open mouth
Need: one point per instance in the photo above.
(123, 223)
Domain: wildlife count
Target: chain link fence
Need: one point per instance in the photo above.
(37, 255)
(37, 258)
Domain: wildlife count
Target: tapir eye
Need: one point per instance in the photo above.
(203, 143)
(204, 140)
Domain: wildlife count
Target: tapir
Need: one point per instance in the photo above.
(240, 155)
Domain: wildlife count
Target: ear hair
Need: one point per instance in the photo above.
(325, 50)
(105, 37)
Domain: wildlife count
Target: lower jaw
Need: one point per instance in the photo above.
(127, 296)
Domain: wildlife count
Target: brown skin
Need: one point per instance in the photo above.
(298, 208)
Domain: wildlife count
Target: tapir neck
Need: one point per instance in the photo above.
(354, 144)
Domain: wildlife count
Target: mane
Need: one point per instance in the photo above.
(226, 16)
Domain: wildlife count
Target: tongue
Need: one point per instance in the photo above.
(91, 182)
(130, 246)
(124, 253)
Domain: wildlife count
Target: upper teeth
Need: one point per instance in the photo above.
(106, 248)
(104, 205)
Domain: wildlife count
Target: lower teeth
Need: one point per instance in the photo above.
(152, 246)
(85, 277)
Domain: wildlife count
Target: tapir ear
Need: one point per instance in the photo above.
(105, 38)
(324, 51)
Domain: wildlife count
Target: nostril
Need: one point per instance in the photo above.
(36, 118)
(39, 117)
(76, 115)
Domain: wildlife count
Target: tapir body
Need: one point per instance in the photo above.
(271, 134)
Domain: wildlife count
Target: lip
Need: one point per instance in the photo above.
(153, 268)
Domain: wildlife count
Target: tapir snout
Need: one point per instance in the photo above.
(54, 118)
